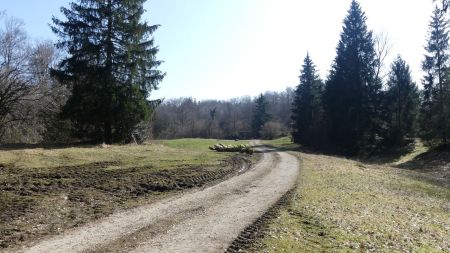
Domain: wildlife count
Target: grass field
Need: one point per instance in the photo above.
(344, 205)
(45, 191)
(158, 153)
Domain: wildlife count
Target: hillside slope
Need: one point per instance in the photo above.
(344, 205)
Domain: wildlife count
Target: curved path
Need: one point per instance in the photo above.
(203, 220)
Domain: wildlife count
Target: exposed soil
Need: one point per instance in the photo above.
(45, 201)
(202, 220)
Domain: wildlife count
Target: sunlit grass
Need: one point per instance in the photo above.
(163, 154)
(198, 143)
(284, 143)
(343, 205)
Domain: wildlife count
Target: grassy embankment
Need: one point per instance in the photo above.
(45, 191)
(344, 205)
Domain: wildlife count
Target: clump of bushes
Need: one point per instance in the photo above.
(241, 148)
(272, 130)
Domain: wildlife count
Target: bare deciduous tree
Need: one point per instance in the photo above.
(29, 97)
(382, 49)
(15, 86)
(229, 119)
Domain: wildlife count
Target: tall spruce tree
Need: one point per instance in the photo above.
(307, 110)
(352, 95)
(111, 66)
(435, 109)
(260, 115)
(402, 104)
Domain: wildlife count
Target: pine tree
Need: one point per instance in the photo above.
(435, 109)
(111, 66)
(353, 93)
(402, 103)
(260, 115)
(307, 111)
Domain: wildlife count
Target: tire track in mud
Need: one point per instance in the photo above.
(203, 220)
(88, 192)
(253, 233)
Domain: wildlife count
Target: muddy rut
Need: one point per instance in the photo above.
(202, 220)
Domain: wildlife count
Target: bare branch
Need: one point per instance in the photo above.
(383, 49)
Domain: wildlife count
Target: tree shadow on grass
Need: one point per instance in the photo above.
(267, 148)
(434, 159)
(292, 147)
(22, 146)
(388, 155)
(433, 166)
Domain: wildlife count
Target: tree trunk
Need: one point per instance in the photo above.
(109, 80)
(107, 132)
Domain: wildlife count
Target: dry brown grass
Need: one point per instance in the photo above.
(343, 205)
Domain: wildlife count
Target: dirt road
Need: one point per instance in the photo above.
(203, 220)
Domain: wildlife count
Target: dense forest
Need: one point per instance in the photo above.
(94, 84)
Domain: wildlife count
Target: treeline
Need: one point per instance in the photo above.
(356, 111)
(237, 118)
(94, 85)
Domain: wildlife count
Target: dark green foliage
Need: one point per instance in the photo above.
(352, 95)
(260, 116)
(110, 67)
(435, 108)
(307, 111)
(402, 104)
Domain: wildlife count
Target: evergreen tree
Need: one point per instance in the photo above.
(402, 103)
(110, 66)
(307, 111)
(435, 112)
(260, 116)
(352, 96)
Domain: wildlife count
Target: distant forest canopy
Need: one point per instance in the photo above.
(226, 119)
(94, 84)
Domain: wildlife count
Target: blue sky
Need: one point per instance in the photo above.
(219, 49)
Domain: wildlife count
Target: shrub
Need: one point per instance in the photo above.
(271, 130)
